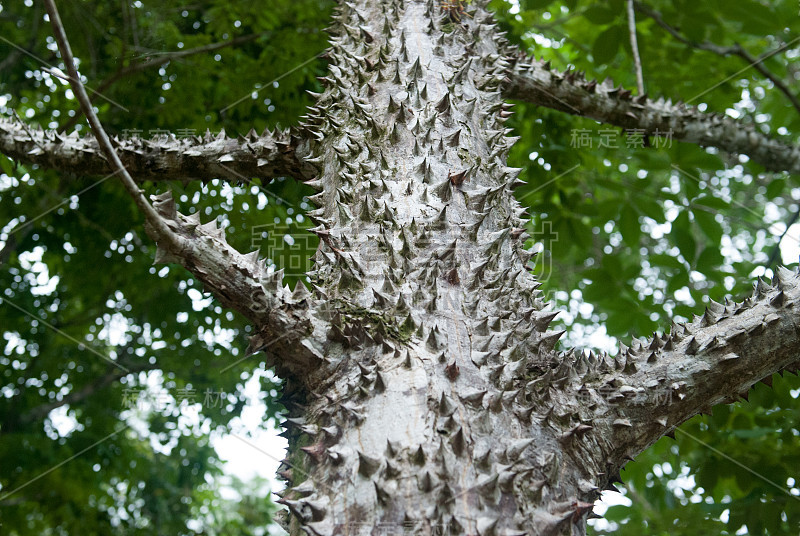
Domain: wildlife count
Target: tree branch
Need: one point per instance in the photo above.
(239, 282)
(156, 227)
(735, 50)
(160, 158)
(569, 92)
(651, 388)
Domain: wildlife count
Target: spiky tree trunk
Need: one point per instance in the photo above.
(424, 392)
(416, 415)
(437, 403)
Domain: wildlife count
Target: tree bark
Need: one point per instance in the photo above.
(439, 405)
(416, 416)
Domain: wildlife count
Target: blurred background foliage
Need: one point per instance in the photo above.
(640, 235)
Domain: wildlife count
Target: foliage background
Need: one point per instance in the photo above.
(640, 235)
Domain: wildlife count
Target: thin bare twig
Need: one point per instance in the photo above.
(157, 59)
(637, 61)
(156, 227)
(25, 127)
(735, 50)
(773, 256)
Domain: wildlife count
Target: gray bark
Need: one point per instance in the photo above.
(240, 282)
(161, 158)
(423, 388)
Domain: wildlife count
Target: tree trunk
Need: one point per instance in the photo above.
(438, 405)
(417, 417)
(423, 389)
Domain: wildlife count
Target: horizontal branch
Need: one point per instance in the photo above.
(161, 158)
(651, 388)
(569, 92)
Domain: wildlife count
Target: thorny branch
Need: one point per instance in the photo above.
(162, 157)
(726, 351)
(523, 387)
(536, 82)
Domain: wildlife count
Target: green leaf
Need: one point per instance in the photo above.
(755, 17)
(650, 208)
(6, 165)
(708, 224)
(683, 237)
(709, 260)
(710, 201)
(629, 226)
(775, 187)
(600, 14)
(665, 261)
(607, 44)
